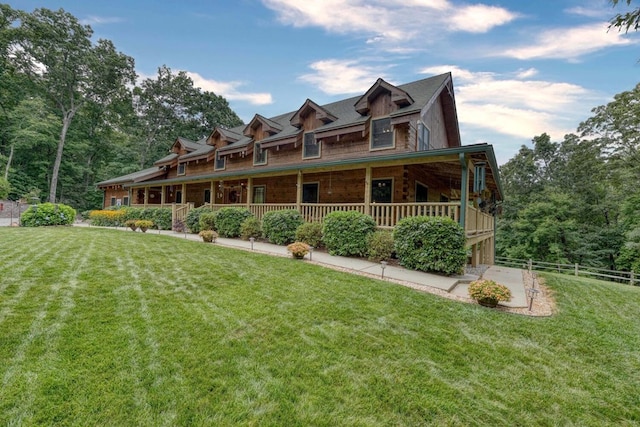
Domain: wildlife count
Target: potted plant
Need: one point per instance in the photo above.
(488, 293)
(208, 236)
(144, 224)
(298, 249)
(131, 223)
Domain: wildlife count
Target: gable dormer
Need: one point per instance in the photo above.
(313, 111)
(397, 97)
(182, 146)
(221, 137)
(260, 127)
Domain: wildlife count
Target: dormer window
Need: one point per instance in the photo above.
(182, 168)
(259, 154)
(423, 137)
(381, 134)
(311, 147)
(220, 162)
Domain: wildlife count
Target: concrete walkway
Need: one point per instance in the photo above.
(456, 285)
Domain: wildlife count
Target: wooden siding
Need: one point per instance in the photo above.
(434, 120)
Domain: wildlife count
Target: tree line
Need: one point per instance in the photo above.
(73, 112)
(578, 200)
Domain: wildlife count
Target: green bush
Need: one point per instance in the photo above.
(434, 244)
(48, 214)
(380, 246)
(280, 227)
(229, 220)
(161, 217)
(192, 221)
(346, 233)
(207, 221)
(5, 188)
(250, 227)
(310, 233)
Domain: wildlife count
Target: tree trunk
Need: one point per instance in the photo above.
(66, 121)
(6, 170)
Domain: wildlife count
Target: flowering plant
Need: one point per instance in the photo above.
(131, 223)
(298, 249)
(488, 292)
(208, 235)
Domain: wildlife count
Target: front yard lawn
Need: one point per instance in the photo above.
(104, 327)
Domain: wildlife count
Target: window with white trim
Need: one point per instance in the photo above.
(310, 192)
(422, 192)
(381, 134)
(125, 201)
(382, 190)
(182, 168)
(259, 154)
(113, 201)
(310, 147)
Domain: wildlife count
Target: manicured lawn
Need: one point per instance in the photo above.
(103, 327)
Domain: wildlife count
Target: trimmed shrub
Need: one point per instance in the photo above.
(229, 220)
(192, 221)
(144, 224)
(380, 246)
(310, 233)
(207, 221)
(346, 233)
(251, 227)
(434, 244)
(161, 217)
(106, 218)
(280, 227)
(46, 214)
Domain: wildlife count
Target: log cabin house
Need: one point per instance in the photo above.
(392, 152)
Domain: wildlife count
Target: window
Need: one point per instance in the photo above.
(182, 168)
(125, 200)
(178, 196)
(381, 134)
(422, 192)
(310, 192)
(113, 201)
(259, 194)
(423, 137)
(311, 147)
(382, 190)
(259, 155)
(220, 162)
(207, 196)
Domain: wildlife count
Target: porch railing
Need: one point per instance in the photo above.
(386, 215)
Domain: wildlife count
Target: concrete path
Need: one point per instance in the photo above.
(456, 285)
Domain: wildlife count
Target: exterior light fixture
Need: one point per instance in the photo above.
(252, 239)
(310, 253)
(383, 265)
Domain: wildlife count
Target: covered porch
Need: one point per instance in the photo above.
(461, 186)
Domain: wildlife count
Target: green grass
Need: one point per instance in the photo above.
(103, 327)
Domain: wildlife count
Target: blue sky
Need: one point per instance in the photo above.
(520, 68)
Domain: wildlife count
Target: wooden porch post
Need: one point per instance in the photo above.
(184, 193)
(212, 194)
(249, 192)
(367, 191)
(162, 200)
(299, 192)
(464, 191)
(146, 196)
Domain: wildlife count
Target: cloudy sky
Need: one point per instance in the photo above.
(520, 68)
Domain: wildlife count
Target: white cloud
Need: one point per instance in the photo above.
(229, 90)
(100, 20)
(516, 106)
(568, 43)
(529, 72)
(480, 18)
(336, 77)
(390, 22)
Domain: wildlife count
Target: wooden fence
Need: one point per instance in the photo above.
(575, 269)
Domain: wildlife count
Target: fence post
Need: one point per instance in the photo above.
(576, 269)
(632, 275)
(530, 265)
